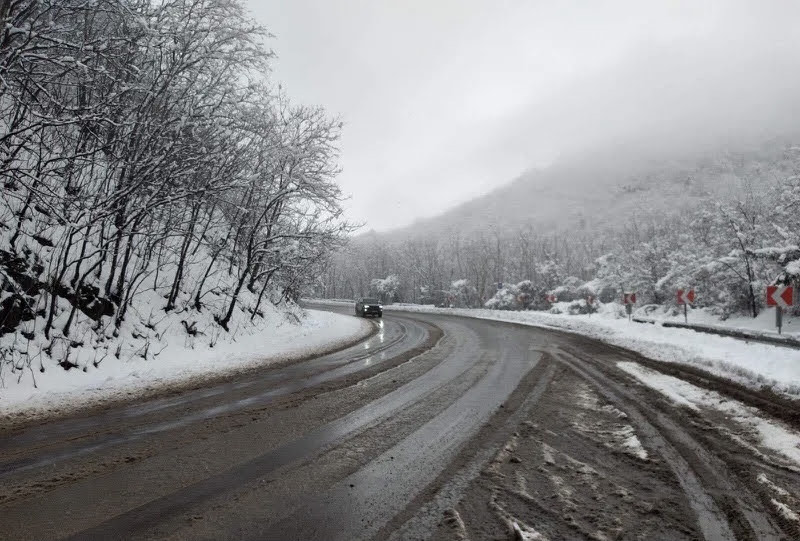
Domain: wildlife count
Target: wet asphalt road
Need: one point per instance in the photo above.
(380, 440)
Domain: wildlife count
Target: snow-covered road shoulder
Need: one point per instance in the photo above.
(769, 433)
(182, 363)
(755, 365)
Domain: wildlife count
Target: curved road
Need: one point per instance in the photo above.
(435, 427)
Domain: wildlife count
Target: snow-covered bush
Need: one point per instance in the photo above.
(505, 299)
(522, 296)
(568, 290)
(385, 288)
(462, 294)
(581, 307)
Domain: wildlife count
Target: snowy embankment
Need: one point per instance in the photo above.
(759, 329)
(763, 324)
(755, 365)
(185, 360)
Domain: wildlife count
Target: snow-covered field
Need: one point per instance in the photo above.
(276, 338)
(753, 364)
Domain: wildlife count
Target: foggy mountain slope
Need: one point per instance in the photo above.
(594, 191)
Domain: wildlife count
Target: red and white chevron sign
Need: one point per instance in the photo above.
(629, 298)
(686, 296)
(782, 296)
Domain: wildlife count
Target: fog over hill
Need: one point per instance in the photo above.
(598, 189)
(662, 100)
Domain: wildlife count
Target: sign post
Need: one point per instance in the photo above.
(629, 299)
(686, 297)
(780, 297)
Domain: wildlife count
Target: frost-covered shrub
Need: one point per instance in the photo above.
(569, 289)
(563, 294)
(608, 294)
(522, 296)
(462, 294)
(585, 291)
(504, 299)
(581, 307)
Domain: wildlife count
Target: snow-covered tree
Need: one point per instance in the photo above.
(144, 153)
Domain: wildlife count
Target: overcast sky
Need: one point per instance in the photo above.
(444, 100)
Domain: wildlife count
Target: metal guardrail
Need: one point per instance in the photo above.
(742, 334)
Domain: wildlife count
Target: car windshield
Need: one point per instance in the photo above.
(370, 301)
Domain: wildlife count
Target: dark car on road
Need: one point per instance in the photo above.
(369, 307)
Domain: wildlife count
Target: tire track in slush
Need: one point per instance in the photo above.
(423, 521)
(684, 455)
(361, 504)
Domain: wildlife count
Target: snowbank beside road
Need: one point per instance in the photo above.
(755, 365)
(278, 338)
(763, 324)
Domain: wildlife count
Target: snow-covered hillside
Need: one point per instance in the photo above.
(87, 349)
(281, 335)
(160, 198)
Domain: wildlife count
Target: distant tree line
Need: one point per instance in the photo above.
(139, 139)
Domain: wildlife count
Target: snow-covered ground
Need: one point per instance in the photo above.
(753, 364)
(278, 337)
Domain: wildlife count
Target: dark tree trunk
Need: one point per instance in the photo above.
(187, 241)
